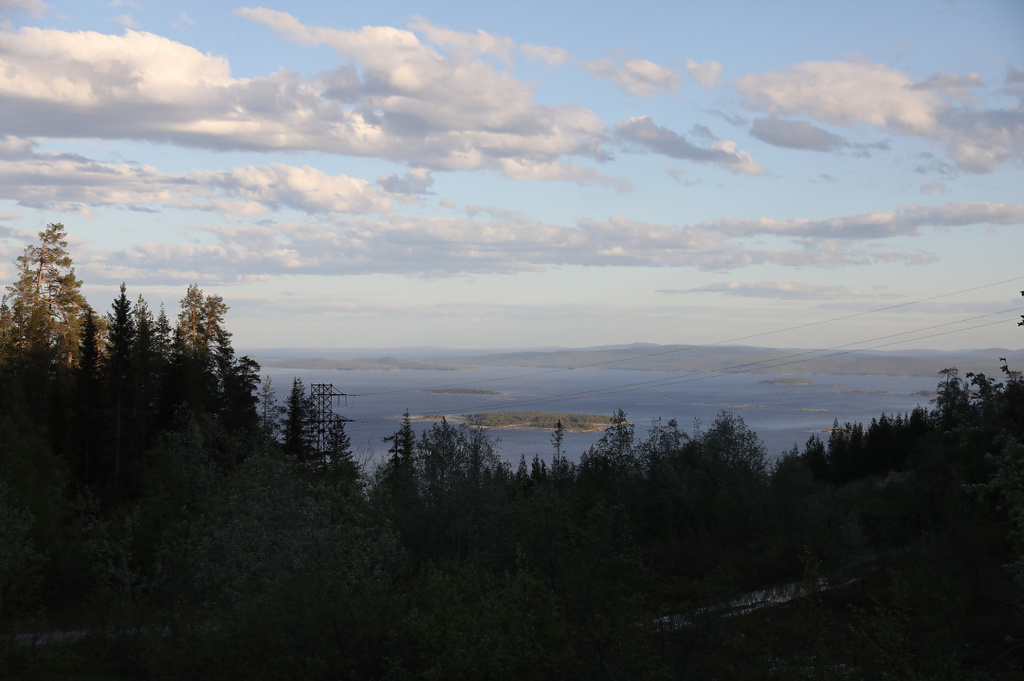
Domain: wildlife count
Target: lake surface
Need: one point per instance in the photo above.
(780, 414)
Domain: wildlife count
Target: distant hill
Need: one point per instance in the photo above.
(650, 357)
(366, 364)
(748, 359)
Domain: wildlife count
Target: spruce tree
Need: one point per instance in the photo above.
(297, 426)
(269, 411)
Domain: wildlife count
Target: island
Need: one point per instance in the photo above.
(521, 420)
(526, 420)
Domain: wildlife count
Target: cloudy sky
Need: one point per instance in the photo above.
(791, 174)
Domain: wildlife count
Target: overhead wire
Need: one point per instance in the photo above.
(771, 363)
(691, 348)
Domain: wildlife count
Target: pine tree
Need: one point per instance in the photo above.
(45, 306)
(201, 323)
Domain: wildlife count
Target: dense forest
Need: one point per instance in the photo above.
(162, 516)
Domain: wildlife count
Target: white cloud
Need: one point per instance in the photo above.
(126, 20)
(907, 221)
(552, 56)
(93, 73)
(558, 170)
(443, 110)
(306, 189)
(844, 93)
(468, 44)
(36, 8)
(706, 74)
(634, 76)
(862, 92)
(791, 290)
(73, 183)
(406, 101)
(496, 240)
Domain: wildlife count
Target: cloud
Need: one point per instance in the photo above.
(495, 240)
(706, 74)
(468, 44)
(558, 170)
(729, 117)
(802, 135)
(861, 92)
(786, 290)
(71, 183)
(634, 76)
(36, 8)
(982, 141)
(416, 181)
(952, 85)
(126, 20)
(552, 56)
(907, 221)
(795, 135)
(680, 176)
(930, 164)
(934, 188)
(644, 133)
(844, 93)
(395, 97)
(276, 186)
(1013, 83)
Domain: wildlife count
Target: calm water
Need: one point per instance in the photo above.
(779, 414)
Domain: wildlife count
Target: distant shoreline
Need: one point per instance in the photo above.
(647, 357)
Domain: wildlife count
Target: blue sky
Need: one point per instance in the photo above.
(521, 174)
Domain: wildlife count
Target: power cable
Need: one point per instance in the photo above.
(775, 362)
(690, 348)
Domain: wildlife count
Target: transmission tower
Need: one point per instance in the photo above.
(323, 396)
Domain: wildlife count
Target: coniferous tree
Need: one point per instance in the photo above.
(270, 411)
(45, 304)
(120, 344)
(403, 442)
(297, 425)
(89, 398)
(556, 439)
(147, 359)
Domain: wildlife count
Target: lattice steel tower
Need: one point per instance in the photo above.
(323, 395)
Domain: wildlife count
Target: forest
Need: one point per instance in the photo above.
(163, 516)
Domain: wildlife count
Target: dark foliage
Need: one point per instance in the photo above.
(159, 519)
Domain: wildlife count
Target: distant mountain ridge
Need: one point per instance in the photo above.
(749, 359)
(652, 357)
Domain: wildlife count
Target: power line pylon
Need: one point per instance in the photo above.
(324, 418)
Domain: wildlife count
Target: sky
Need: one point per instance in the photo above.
(500, 175)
